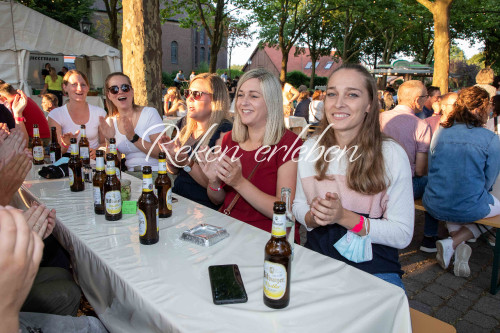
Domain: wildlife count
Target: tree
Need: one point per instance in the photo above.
(64, 11)
(238, 34)
(456, 53)
(113, 7)
(282, 22)
(141, 41)
(440, 10)
(213, 16)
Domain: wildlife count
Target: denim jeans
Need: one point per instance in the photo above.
(391, 278)
(419, 184)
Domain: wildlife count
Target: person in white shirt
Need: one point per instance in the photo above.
(134, 127)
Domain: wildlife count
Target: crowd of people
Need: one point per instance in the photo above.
(355, 177)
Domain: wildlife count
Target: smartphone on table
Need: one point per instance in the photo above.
(227, 285)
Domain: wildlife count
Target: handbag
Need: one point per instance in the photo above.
(227, 211)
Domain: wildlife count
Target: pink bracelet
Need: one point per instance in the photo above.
(357, 228)
(216, 189)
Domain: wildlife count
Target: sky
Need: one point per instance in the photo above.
(241, 54)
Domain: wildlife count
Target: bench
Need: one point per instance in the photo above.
(422, 323)
(492, 222)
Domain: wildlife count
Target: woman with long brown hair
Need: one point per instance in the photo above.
(464, 162)
(353, 181)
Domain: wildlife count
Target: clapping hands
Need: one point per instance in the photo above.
(328, 210)
(40, 219)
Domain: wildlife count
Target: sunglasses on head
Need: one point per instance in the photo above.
(116, 89)
(196, 94)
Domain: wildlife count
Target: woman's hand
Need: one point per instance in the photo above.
(66, 137)
(36, 217)
(327, 211)
(12, 145)
(208, 161)
(105, 129)
(19, 103)
(126, 127)
(229, 172)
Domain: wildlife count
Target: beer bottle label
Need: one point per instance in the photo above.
(71, 177)
(279, 225)
(118, 174)
(112, 148)
(147, 183)
(99, 164)
(38, 153)
(169, 199)
(143, 226)
(162, 166)
(84, 152)
(36, 132)
(52, 157)
(97, 195)
(113, 202)
(110, 168)
(274, 280)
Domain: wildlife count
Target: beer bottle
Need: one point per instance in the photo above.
(114, 151)
(112, 188)
(84, 146)
(37, 146)
(76, 183)
(98, 183)
(148, 210)
(54, 148)
(164, 187)
(277, 262)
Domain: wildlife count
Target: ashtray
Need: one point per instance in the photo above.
(205, 234)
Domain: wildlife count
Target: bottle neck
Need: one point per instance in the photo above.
(82, 133)
(74, 149)
(36, 132)
(162, 167)
(110, 168)
(147, 183)
(53, 136)
(279, 225)
(99, 163)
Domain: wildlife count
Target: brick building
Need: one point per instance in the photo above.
(182, 48)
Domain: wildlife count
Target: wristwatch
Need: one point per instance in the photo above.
(135, 138)
(187, 168)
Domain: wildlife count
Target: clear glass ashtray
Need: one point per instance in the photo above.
(205, 234)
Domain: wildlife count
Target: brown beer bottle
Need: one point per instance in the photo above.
(98, 182)
(76, 183)
(114, 151)
(37, 146)
(84, 146)
(277, 262)
(147, 209)
(112, 188)
(164, 187)
(55, 147)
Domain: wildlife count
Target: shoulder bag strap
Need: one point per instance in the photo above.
(229, 208)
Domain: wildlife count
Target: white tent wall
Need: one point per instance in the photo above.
(23, 30)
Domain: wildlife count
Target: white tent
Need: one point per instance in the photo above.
(24, 30)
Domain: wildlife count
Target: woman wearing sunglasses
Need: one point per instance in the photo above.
(204, 125)
(177, 104)
(259, 150)
(68, 118)
(133, 126)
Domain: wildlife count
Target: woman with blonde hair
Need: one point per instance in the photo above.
(177, 103)
(484, 79)
(247, 180)
(68, 118)
(204, 125)
(353, 181)
(134, 127)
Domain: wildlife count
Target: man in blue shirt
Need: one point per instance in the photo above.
(434, 95)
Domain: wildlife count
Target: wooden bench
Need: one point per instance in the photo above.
(422, 323)
(492, 222)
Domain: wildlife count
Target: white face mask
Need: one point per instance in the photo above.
(355, 248)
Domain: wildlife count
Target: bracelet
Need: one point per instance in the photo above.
(216, 189)
(357, 228)
(20, 119)
(64, 145)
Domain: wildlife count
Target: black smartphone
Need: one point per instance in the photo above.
(227, 285)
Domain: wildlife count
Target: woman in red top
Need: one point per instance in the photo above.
(258, 135)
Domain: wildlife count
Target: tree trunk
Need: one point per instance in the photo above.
(284, 63)
(441, 14)
(212, 68)
(313, 69)
(141, 41)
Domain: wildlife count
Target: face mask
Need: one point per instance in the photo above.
(355, 248)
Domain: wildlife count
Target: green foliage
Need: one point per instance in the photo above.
(477, 59)
(64, 11)
(456, 53)
(167, 79)
(320, 81)
(234, 72)
(202, 68)
(297, 78)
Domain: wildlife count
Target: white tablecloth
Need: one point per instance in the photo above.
(94, 100)
(297, 124)
(165, 287)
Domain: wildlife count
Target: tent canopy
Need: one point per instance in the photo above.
(24, 30)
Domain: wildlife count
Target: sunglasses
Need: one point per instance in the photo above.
(116, 89)
(196, 94)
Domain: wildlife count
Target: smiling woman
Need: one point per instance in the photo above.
(347, 198)
(134, 127)
(68, 118)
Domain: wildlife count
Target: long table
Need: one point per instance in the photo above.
(165, 287)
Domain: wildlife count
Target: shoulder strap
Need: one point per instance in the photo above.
(229, 208)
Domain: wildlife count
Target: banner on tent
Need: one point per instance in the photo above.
(37, 63)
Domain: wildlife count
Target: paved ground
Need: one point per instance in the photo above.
(465, 303)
